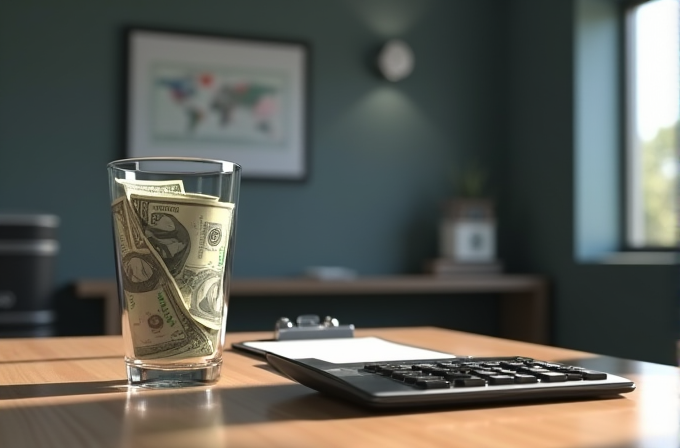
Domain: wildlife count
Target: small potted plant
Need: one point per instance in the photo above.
(467, 230)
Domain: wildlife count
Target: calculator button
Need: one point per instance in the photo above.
(491, 364)
(471, 365)
(399, 374)
(522, 378)
(511, 365)
(433, 383)
(373, 367)
(483, 373)
(554, 366)
(574, 376)
(387, 370)
(455, 376)
(533, 370)
(448, 365)
(469, 382)
(436, 370)
(551, 377)
(413, 379)
(495, 380)
(422, 366)
(592, 375)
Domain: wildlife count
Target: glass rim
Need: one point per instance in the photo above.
(226, 166)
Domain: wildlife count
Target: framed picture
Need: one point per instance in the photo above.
(236, 99)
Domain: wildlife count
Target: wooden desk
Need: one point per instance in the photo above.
(523, 298)
(71, 392)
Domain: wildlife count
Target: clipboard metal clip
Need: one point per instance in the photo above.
(309, 326)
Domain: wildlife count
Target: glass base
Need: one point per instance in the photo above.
(170, 377)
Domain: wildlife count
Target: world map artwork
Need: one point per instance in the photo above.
(191, 104)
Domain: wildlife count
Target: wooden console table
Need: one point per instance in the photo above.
(523, 299)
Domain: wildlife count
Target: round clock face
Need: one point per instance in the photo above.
(395, 60)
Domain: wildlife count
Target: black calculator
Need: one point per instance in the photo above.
(450, 382)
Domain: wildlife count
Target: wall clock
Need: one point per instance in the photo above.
(396, 60)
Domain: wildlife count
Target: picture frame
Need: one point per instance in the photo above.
(243, 100)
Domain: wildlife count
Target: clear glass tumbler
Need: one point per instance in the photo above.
(174, 222)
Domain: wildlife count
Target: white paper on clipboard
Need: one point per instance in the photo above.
(346, 350)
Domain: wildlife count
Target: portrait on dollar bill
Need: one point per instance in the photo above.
(218, 97)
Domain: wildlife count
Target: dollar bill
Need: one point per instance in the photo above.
(162, 187)
(191, 236)
(160, 326)
(202, 196)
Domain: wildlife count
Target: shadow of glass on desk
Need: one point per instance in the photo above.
(23, 391)
(22, 360)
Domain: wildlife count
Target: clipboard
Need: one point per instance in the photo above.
(311, 339)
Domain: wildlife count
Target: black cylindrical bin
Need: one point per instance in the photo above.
(28, 250)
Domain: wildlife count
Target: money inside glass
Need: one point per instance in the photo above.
(173, 250)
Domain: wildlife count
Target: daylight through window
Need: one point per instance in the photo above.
(653, 61)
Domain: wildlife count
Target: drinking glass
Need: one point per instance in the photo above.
(174, 223)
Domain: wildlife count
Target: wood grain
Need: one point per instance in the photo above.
(71, 392)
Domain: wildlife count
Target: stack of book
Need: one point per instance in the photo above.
(446, 267)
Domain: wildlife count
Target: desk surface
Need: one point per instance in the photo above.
(71, 392)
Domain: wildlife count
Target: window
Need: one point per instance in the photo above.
(653, 105)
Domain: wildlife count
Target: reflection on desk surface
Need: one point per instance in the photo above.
(622, 367)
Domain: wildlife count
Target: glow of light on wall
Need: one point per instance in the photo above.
(389, 18)
(388, 113)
